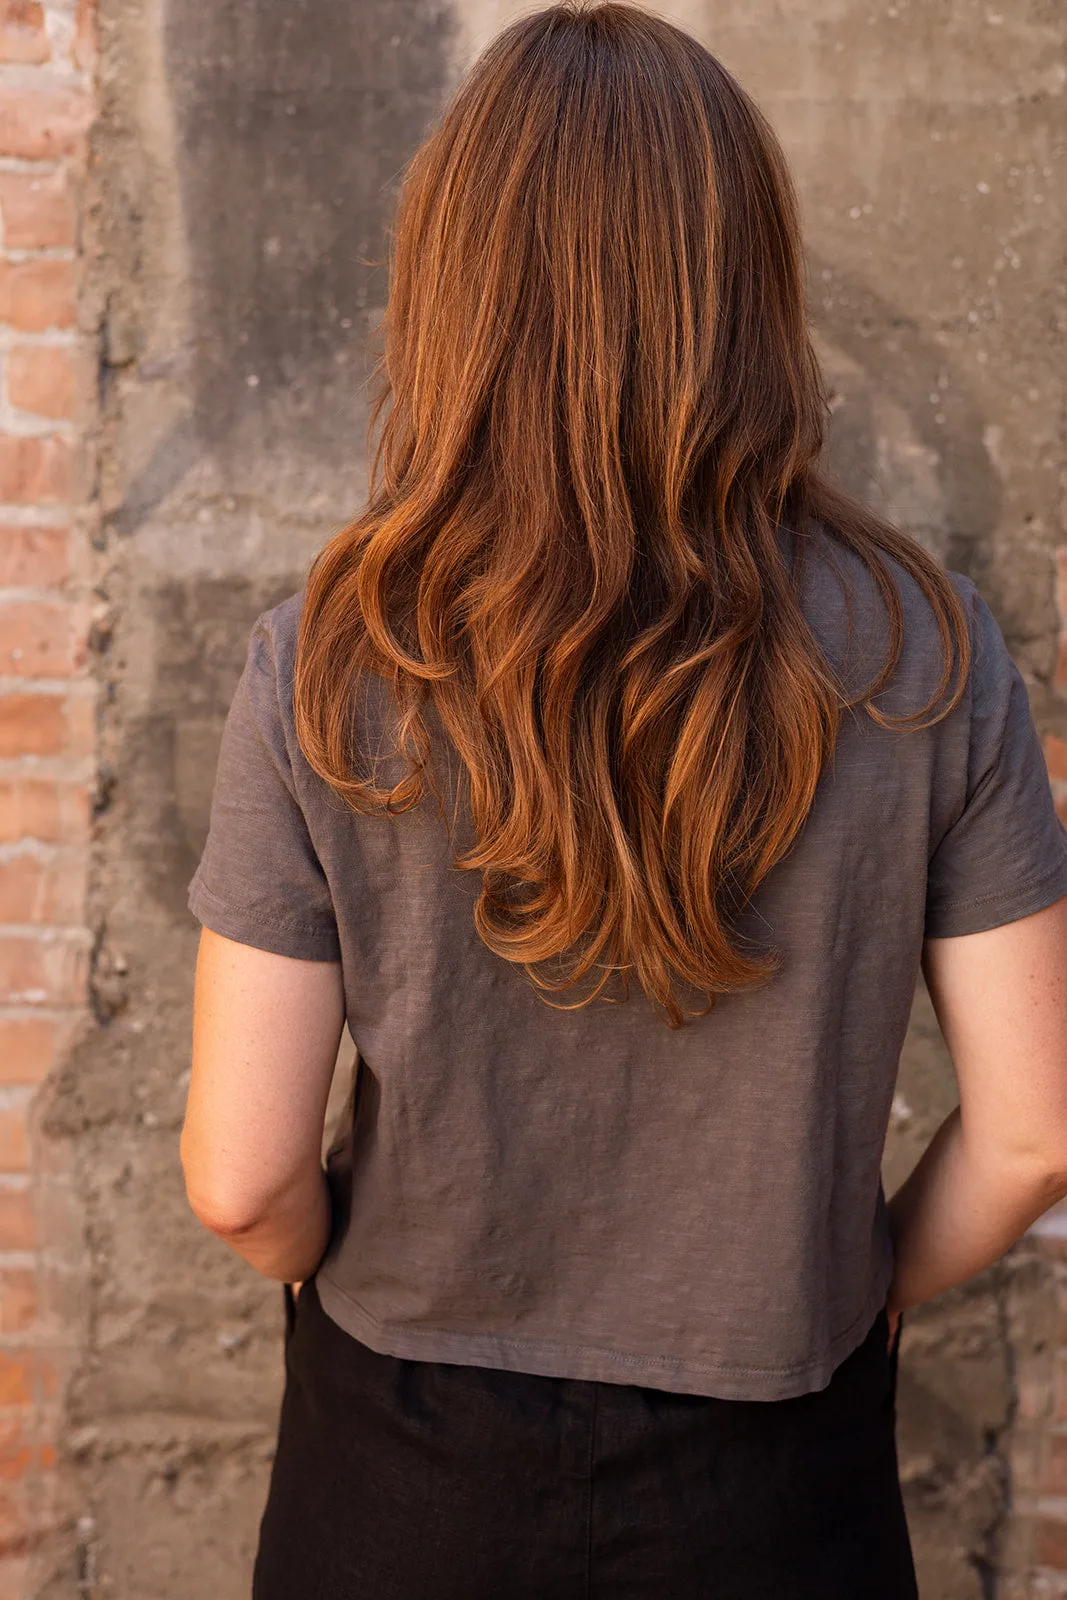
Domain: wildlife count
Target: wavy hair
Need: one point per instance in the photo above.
(595, 480)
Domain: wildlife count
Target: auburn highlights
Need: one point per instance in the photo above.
(597, 472)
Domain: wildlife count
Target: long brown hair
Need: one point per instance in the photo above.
(604, 412)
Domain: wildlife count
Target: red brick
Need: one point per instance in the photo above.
(37, 294)
(14, 1139)
(1050, 1542)
(38, 639)
(38, 211)
(16, 1377)
(43, 124)
(33, 724)
(35, 471)
(1059, 677)
(51, 891)
(20, 1449)
(81, 725)
(16, 1524)
(49, 380)
(18, 1229)
(45, 725)
(44, 808)
(22, 33)
(1056, 756)
(31, 1046)
(34, 558)
(85, 43)
(18, 1309)
(1053, 1475)
(35, 971)
(43, 1371)
(21, 888)
(16, 1450)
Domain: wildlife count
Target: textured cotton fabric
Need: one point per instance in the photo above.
(587, 1193)
(402, 1480)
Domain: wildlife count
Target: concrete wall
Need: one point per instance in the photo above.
(245, 159)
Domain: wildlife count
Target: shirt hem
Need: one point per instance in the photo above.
(555, 1359)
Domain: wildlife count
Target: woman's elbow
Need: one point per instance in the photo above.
(1036, 1171)
(221, 1205)
(1054, 1179)
(229, 1216)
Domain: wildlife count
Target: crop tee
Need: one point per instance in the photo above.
(589, 1193)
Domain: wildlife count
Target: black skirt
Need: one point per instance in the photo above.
(412, 1480)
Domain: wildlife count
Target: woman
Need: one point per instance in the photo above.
(613, 777)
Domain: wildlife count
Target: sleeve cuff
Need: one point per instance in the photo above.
(278, 936)
(995, 910)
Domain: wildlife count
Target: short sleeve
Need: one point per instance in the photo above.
(259, 880)
(1005, 855)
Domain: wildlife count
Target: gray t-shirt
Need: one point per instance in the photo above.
(588, 1193)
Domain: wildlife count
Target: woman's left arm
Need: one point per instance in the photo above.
(266, 1030)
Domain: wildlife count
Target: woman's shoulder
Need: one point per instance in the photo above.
(846, 607)
(271, 672)
(274, 634)
(836, 575)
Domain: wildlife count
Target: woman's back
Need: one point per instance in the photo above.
(601, 1281)
(587, 1192)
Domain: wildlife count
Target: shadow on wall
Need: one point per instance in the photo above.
(293, 128)
(906, 435)
(200, 630)
(293, 124)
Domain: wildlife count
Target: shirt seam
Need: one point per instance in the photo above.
(282, 925)
(556, 1347)
(1000, 894)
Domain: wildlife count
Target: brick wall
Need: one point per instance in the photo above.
(1055, 747)
(47, 775)
(46, 728)
(1034, 1551)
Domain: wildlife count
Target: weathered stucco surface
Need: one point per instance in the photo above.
(246, 160)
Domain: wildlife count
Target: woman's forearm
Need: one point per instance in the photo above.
(289, 1240)
(959, 1211)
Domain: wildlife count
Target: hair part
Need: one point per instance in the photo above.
(589, 506)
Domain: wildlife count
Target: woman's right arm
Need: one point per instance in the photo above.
(1000, 1159)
